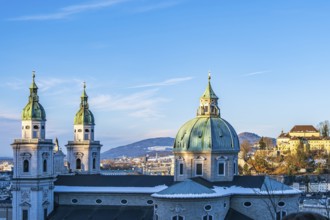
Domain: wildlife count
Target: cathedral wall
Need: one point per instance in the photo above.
(255, 208)
(192, 209)
(113, 199)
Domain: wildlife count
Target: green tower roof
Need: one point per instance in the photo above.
(84, 116)
(209, 93)
(33, 109)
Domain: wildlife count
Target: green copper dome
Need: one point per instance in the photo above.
(208, 131)
(33, 109)
(206, 134)
(84, 116)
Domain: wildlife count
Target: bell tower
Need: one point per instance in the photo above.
(33, 179)
(84, 152)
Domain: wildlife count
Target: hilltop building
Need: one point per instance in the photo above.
(205, 184)
(302, 135)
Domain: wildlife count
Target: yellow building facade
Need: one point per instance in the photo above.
(307, 135)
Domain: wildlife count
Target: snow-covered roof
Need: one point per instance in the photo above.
(191, 189)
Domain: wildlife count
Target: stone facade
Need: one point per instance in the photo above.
(260, 207)
(194, 209)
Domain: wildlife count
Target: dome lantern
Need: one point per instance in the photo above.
(208, 105)
(84, 116)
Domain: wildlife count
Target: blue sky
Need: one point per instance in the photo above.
(145, 63)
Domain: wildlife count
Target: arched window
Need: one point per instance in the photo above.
(207, 217)
(26, 166)
(78, 164)
(181, 169)
(280, 215)
(45, 166)
(94, 163)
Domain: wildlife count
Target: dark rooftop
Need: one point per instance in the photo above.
(114, 181)
(304, 128)
(81, 212)
(242, 181)
(233, 214)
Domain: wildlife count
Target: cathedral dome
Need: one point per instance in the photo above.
(84, 116)
(208, 131)
(33, 109)
(206, 134)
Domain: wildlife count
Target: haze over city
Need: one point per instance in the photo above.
(146, 63)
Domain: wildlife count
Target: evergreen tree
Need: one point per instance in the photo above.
(262, 144)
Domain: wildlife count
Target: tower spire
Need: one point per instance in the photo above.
(209, 101)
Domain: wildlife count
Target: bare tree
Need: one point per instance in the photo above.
(245, 150)
(324, 127)
(272, 196)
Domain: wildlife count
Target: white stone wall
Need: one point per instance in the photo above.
(34, 196)
(261, 206)
(210, 165)
(86, 151)
(29, 129)
(112, 199)
(83, 132)
(192, 209)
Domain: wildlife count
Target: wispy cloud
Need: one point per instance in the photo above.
(45, 84)
(257, 73)
(168, 82)
(69, 10)
(158, 6)
(139, 105)
(10, 116)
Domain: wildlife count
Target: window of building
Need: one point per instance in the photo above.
(79, 130)
(199, 169)
(42, 127)
(74, 200)
(25, 214)
(281, 204)
(247, 204)
(207, 217)
(27, 127)
(178, 217)
(181, 169)
(207, 207)
(86, 137)
(98, 201)
(221, 168)
(86, 130)
(36, 127)
(234, 168)
(150, 202)
(45, 166)
(124, 201)
(280, 215)
(94, 163)
(224, 205)
(45, 214)
(206, 108)
(78, 164)
(26, 166)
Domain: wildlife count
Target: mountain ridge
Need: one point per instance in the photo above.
(161, 146)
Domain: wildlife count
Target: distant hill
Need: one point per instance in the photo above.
(252, 138)
(161, 146)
